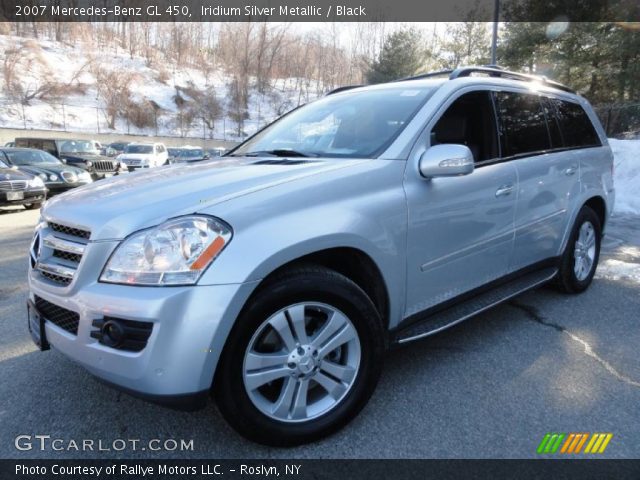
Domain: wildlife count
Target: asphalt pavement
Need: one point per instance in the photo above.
(490, 387)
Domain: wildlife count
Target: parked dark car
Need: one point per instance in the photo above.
(57, 176)
(188, 155)
(20, 188)
(216, 152)
(77, 153)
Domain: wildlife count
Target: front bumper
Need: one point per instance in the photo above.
(190, 326)
(30, 196)
(59, 187)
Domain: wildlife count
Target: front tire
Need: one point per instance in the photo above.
(302, 360)
(580, 258)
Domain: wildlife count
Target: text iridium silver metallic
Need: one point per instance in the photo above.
(432, 236)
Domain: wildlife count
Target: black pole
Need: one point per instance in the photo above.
(494, 40)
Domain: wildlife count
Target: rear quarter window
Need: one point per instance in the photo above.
(575, 126)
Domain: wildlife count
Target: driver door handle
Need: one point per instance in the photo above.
(504, 190)
(571, 170)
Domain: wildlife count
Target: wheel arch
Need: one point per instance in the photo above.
(353, 263)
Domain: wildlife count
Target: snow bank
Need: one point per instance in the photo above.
(627, 175)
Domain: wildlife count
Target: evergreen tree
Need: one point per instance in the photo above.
(401, 56)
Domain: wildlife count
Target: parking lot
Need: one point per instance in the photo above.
(490, 387)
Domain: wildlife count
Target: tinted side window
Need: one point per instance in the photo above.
(523, 125)
(552, 123)
(577, 129)
(469, 121)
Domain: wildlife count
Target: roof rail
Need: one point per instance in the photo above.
(341, 89)
(420, 76)
(495, 71)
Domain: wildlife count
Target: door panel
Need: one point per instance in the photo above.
(460, 233)
(546, 186)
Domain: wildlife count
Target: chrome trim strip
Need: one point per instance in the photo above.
(59, 270)
(64, 245)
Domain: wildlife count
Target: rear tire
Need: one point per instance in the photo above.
(318, 388)
(580, 258)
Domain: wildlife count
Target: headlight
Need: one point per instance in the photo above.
(36, 182)
(174, 253)
(53, 177)
(89, 163)
(43, 176)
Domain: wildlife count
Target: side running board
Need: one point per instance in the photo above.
(464, 310)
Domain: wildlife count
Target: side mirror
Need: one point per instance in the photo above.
(64, 160)
(446, 160)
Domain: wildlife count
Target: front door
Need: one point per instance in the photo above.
(461, 229)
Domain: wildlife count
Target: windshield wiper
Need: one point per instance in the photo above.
(278, 152)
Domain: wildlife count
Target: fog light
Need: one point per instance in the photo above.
(112, 333)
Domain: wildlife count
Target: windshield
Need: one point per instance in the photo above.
(138, 149)
(77, 146)
(357, 124)
(32, 157)
(118, 146)
(191, 153)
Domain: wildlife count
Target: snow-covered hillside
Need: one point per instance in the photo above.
(83, 109)
(627, 175)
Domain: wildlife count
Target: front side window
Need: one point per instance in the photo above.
(470, 121)
(356, 124)
(523, 124)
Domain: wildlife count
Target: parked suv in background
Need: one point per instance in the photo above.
(372, 217)
(76, 153)
(144, 155)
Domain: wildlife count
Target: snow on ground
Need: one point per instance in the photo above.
(42, 59)
(626, 175)
(616, 270)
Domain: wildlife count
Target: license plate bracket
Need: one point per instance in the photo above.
(35, 322)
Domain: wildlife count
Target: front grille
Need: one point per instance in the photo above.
(12, 185)
(56, 278)
(63, 318)
(104, 166)
(57, 252)
(69, 177)
(72, 257)
(74, 232)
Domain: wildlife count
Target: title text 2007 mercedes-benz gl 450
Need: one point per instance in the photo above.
(277, 277)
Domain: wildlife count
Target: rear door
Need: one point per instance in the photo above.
(548, 176)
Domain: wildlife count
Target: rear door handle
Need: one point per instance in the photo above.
(504, 190)
(571, 170)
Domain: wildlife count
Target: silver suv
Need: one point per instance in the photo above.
(276, 278)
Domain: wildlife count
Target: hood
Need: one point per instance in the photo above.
(83, 157)
(135, 156)
(10, 174)
(115, 207)
(49, 169)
